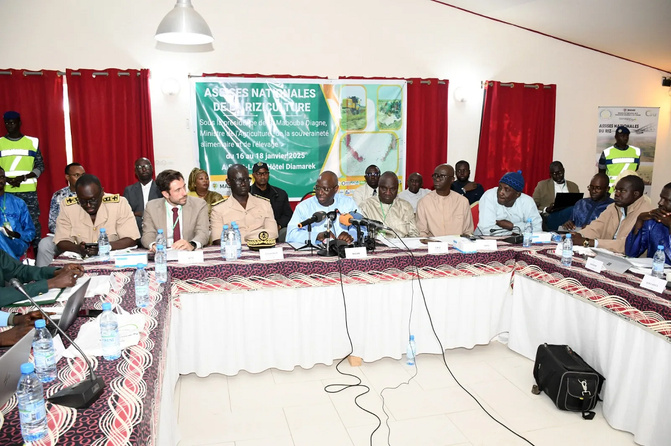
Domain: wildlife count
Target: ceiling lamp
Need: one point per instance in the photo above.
(184, 26)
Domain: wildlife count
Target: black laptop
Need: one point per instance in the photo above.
(566, 199)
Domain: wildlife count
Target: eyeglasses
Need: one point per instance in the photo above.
(596, 188)
(372, 175)
(143, 167)
(440, 176)
(262, 174)
(326, 190)
(91, 202)
(240, 180)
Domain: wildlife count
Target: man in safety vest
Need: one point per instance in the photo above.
(619, 157)
(21, 158)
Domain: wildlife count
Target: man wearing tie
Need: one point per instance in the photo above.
(184, 219)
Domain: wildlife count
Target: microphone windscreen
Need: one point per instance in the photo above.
(345, 219)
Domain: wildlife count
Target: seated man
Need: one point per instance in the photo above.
(47, 248)
(138, 194)
(545, 192)
(21, 324)
(17, 230)
(610, 230)
(442, 212)
(414, 192)
(81, 218)
(588, 209)
(184, 219)
(469, 189)
(506, 208)
(37, 280)
(326, 199)
(252, 214)
(279, 200)
(652, 229)
(390, 210)
(369, 189)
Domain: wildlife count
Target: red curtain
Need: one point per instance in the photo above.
(110, 118)
(516, 133)
(426, 144)
(39, 100)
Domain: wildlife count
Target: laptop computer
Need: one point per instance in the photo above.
(72, 307)
(612, 262)
(566, 199)
(10, 366)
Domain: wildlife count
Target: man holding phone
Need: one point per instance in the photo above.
(81, 218)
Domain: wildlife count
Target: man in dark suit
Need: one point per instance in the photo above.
(544, 196)
(184, 219)
(138, 194)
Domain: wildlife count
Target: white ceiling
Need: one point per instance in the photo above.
(639, 30)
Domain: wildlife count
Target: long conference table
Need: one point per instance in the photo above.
(223, 317)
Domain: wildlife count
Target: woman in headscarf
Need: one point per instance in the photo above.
(199, 185)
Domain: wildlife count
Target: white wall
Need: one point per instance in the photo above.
(405, 38)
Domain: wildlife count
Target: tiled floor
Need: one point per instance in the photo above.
(276, 408)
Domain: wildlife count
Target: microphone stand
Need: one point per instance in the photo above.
(82, 394)
(326, 251)
(308, 243)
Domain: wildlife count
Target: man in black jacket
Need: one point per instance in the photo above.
(279, 200)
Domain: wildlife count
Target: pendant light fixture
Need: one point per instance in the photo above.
(184, 26)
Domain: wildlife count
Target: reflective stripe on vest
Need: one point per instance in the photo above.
(619, 160)
(18, 158)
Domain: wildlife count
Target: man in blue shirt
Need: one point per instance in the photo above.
(588, 209)
(326, 199)
(652, 229)
(17, 229)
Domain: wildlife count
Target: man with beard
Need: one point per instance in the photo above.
(469, 189)
(279, 200)
(588, 209)
(252, 214)
(81, 218)
(652, 229)
(610, 230)
(505, 208)
(369, 189)
(184, 219)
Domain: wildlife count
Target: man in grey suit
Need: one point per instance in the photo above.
(138, 194)
(184, 219)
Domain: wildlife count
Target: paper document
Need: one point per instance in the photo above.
(88, 338)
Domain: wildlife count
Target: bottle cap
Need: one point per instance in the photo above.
(660, 247)
(234, 224)
(568, 235)
(160, 231)
(107, 306)
(40, 323)
(27, 367)
(140, 266)
(412, 337)
(102, 230)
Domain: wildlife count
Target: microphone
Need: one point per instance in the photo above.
(316, 218)
(82, 394)
(356, 219)
(332, 215)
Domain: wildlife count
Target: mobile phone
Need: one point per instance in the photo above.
(85, 312)
(91, 245)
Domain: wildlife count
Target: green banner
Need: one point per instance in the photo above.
(299, 128)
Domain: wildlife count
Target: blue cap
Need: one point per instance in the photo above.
(11, 115)
(412, 337)
(102, 230)
(225, 226)
(40, 323)
(514, 180)
(160, 231)
(27, 367)
(568, 235)
(234, 224)
(660, 247)
(107, 306)
(140, 266)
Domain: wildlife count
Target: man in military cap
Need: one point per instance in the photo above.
(21, 158)
(618, 157)
(279, 200)
(252, 214)
(81, 218)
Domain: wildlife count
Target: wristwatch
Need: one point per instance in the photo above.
(10, 319)
(585, 243)
(192, 243)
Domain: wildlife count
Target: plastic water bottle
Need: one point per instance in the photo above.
(109, 333)
(411, 351)
(161, 258)
(104, 247)
(43, 352)
(223, 241)
(567, 251)
(32, 409)
(141, 287)
(230, 245)
(238, 239)
(658, 261)
(528, 233)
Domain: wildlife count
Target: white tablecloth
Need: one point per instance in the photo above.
(636, 362)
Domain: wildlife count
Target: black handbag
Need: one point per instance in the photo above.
(567, 379)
